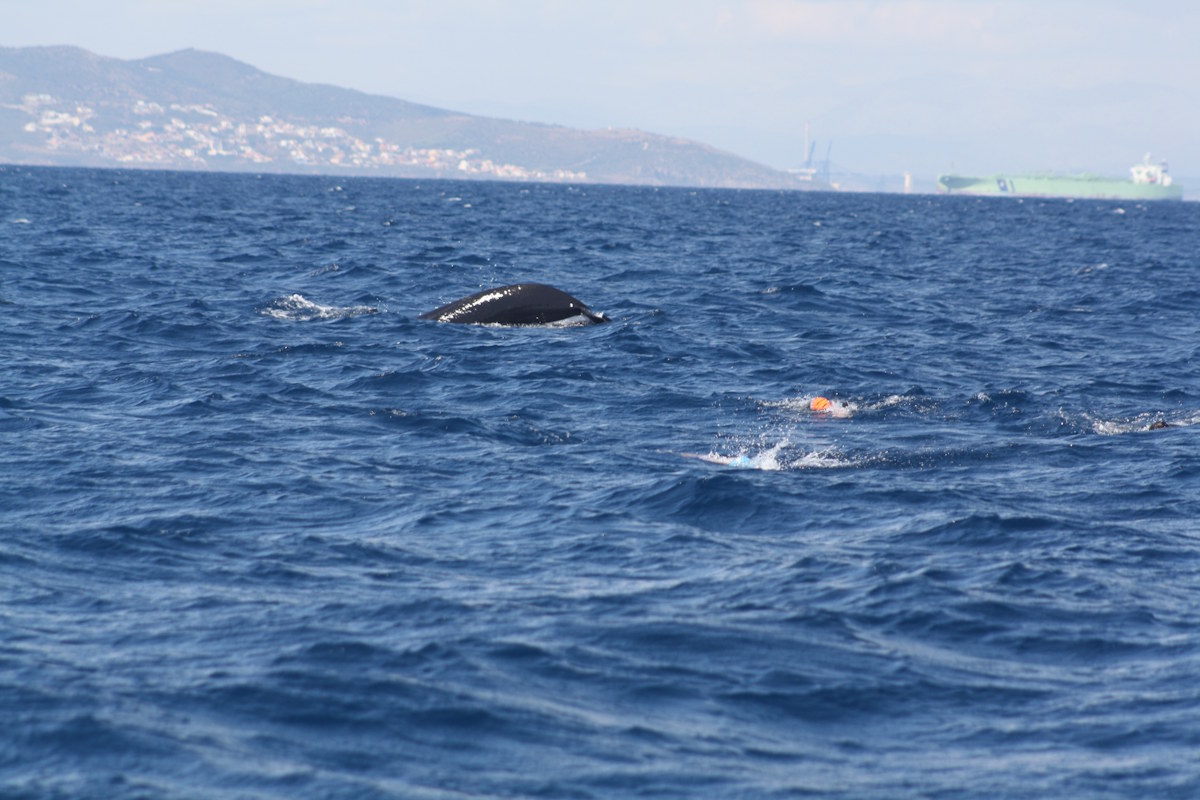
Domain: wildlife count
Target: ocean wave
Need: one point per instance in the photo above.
(389, 558)
(777, 458)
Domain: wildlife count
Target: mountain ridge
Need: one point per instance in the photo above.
(194, 109)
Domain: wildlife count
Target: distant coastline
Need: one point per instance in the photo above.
(192, 110)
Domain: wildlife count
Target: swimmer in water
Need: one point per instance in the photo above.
(835, 408)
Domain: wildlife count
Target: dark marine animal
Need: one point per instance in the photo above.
(517, 304)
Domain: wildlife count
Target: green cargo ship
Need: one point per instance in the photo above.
(1147, 182)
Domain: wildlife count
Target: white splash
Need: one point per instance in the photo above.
(773, 459)
(297, 307)
(767, 461)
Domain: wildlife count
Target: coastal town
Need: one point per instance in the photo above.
(181, 136)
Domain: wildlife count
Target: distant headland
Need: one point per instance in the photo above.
(194, 110)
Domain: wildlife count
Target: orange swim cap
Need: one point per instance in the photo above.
(819, 404)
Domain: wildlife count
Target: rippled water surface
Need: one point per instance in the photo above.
(264, 533)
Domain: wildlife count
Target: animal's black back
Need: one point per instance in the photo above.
(517, 304)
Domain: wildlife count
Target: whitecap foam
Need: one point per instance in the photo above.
(1147, 421)
(298, 307)
(1103, 265)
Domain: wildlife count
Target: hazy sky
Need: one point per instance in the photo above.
(911, 85)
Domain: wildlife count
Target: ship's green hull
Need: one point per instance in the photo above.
(1083, 186)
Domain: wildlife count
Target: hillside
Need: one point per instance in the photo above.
(198, 110)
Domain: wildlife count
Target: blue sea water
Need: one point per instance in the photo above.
(264, 533)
